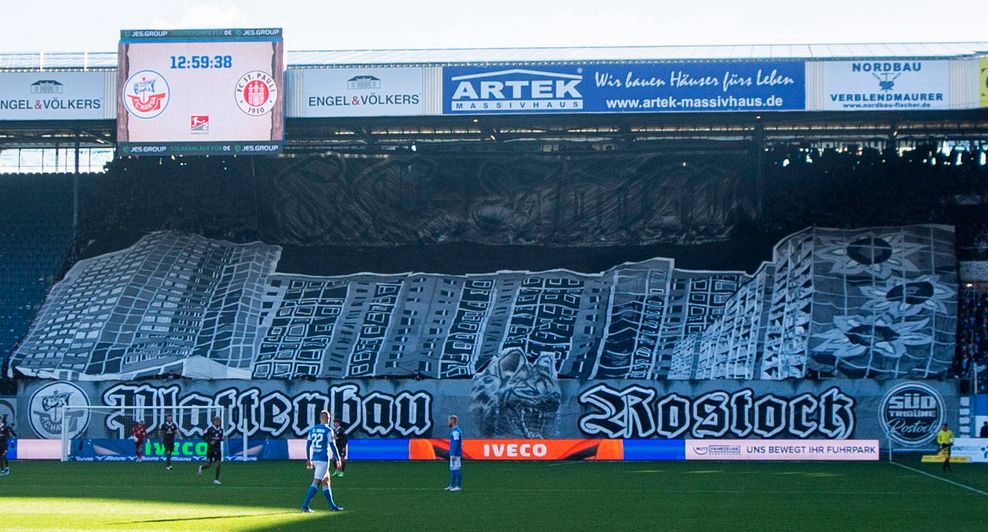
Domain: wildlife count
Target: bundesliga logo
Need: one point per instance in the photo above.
(199, 124)
(256, 93)
(146, 94)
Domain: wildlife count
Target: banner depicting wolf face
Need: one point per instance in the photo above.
(514, 398)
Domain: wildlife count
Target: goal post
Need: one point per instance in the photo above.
(105, 433)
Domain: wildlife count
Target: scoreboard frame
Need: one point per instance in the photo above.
(259, 92)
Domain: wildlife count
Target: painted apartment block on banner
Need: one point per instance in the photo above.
(862, 303)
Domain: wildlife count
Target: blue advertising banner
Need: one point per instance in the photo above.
(194, 450)
(625, 88)
(123, 449)
(655, 449)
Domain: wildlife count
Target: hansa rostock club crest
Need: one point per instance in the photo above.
(146, 94)
(256, 93)
(47, 410)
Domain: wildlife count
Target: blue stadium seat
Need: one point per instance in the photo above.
(35, 236)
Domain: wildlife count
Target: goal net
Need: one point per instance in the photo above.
(107, 433)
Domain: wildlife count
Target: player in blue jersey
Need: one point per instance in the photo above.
(455, 455)
(6, 433)
(320, 448)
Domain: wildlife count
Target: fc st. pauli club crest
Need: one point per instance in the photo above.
(256, 93)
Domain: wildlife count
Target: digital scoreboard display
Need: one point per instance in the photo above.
(201, 92)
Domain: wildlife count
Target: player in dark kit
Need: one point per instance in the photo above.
(168, 431)
(140, 434)
(214, 449)
(6, 432)
(341, 446)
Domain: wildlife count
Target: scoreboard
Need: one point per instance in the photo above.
(201, 92)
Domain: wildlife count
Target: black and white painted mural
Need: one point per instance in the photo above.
(864, 303)
(524, 401)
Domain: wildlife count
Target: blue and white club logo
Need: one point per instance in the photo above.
(911, 413)
(146, 94)
(886, 80)
(47, 409)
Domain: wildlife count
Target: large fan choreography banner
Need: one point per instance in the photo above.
(571, 199)
(513, 400)
(863, 303)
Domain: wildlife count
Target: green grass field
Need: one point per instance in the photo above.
(499, 496)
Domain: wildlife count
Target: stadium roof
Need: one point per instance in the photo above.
(103, 60)
(639, 53)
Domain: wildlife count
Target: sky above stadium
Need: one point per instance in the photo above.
(71, 25)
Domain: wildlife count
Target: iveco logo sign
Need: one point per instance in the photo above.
(517, 90)
(515, 450)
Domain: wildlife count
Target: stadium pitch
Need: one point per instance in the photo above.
(501, 496)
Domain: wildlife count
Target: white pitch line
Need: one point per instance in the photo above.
(958, 484)
(569, 462)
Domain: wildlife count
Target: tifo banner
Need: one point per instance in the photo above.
(876, 85)
(344, 92)
(57, 95)
(502, 199)
(831, 303)
(973, 449)
(625, 88)
(8, 410)
(782, 450)
(529, 404)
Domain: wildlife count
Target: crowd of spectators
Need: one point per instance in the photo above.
(213, 197)
(972, 239)
(35, 236)
(971, 364)
(860, 187)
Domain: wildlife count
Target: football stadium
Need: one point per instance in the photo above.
(249, 287)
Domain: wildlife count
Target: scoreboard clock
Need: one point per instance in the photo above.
(201, 92)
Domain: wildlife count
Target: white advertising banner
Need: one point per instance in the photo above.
(56, 96)
(885, 85)
(782, 450)
(353, 92)
(974, 449)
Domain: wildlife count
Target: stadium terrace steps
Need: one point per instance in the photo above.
(35, 236)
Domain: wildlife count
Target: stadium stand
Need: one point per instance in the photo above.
(237, 200)
(35, 241)
(972, 336)
(336, 214)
